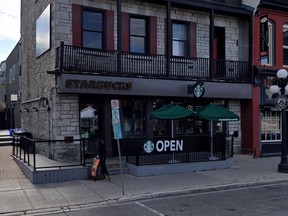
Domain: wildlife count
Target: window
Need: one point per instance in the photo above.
(285, 44)
(179, 39)
(138, 35)
(267, 57)
(267, 96)
(12, 74)
(182, 127)
(89, 121)
(92, 29)
(43, 32)
(270, 126)
(133, 115)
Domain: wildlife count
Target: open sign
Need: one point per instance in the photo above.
(169, 145)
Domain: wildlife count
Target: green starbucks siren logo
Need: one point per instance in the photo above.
(148, 146)
(199, 89)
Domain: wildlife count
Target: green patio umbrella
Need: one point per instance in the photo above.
(212, 113)
(170, 112)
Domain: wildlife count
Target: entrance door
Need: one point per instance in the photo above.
(219, 52)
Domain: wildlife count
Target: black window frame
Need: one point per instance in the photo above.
(146, 37)
(187, 41)
(268, 58)
(102, 31)
(285, 44)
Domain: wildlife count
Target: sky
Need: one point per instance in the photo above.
(9, 26)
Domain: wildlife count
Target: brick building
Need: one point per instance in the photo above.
(79, 55)
(270, 55)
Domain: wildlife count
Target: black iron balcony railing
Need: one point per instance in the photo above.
(76, 59)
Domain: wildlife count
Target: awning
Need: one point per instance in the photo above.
(214, 112)
(171, 111)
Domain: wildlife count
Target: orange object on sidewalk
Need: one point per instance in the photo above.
(95, 167)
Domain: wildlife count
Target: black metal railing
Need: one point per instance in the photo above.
(76, 59)
(40, 154)
(196, 148)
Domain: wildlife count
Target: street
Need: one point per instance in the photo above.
(252, 201)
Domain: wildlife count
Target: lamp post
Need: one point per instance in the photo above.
(280, 84)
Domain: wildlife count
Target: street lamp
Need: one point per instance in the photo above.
(280, 84)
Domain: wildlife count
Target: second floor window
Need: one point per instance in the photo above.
(179, 39)
(285, 45)
(92, 29)
(138, 35)
(267, 57)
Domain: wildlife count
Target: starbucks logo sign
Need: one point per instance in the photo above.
(199, 89)
(148, 146)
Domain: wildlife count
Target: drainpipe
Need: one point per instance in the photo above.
(46, 104)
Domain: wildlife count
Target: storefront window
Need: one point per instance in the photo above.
(160, 126)
(89, 121)
(189, 126)
(133, 114)
(184, 126)
(267, 82)
(270, 126)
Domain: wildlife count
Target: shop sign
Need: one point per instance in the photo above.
(96, 84)
(163, 146)
(198, 89)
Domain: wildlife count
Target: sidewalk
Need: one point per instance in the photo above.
(18, 196)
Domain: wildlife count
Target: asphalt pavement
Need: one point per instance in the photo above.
(18, 196)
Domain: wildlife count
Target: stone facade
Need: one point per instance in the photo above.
(63, 23)
(59, 118)
(234, 127)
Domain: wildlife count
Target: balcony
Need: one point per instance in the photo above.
(71, 59)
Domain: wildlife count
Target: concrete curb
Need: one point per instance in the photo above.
(203, 189)
(134, 198)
